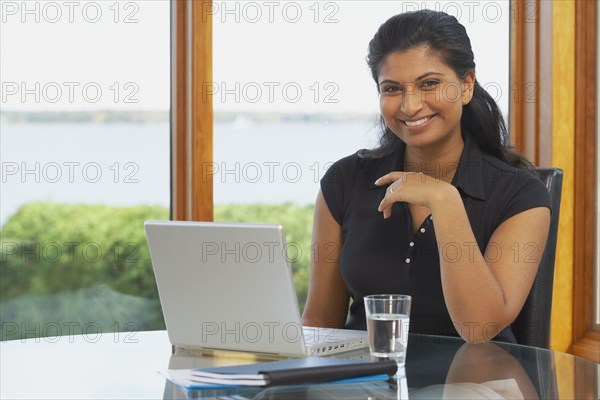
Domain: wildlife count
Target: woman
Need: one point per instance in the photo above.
(442, 210)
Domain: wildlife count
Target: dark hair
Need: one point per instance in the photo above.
(443, 34)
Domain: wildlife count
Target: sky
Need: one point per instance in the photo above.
(96, 55)
(269, 56)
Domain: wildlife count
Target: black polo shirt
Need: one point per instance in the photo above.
(386, 256)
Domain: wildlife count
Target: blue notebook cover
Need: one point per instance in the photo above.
(183, 377)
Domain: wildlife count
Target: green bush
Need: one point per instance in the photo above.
(72, 265)
(89, 264)
(49, 248)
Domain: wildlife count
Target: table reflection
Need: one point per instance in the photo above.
(433, 371)
(481, 371)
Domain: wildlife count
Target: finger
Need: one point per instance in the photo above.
(389, 178)
(387, 212)
(386, 203)
(386, 209)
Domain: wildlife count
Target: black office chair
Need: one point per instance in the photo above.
(532, 326)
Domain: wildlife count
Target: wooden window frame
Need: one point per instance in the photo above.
(191, 111)
(534, 40)
(586, 334)
(530, 104)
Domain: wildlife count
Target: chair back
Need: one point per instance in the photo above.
(532, 326)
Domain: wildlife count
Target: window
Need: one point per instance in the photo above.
(85, 160)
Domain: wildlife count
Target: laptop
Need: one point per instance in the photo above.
(229, 286)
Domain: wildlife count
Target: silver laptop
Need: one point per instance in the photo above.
(229, 286)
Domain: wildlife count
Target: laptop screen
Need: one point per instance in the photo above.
(226, 286)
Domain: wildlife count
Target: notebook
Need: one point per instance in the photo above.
(296, 371)
(229, 286)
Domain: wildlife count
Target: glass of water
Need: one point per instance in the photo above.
(388, 319)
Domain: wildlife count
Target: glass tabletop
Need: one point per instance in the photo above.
(129, 365)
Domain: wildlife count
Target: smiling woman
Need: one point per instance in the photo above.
(442, 134)
(421, 98)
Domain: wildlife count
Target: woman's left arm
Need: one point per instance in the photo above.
(483, 292)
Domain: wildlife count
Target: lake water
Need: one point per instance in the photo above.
(129, 164)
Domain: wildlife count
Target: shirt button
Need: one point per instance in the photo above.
(422, 230)
(407, 260)
(411, 244)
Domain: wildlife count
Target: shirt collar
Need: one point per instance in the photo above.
(469, 174)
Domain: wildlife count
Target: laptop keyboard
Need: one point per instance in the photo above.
(330, 340)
